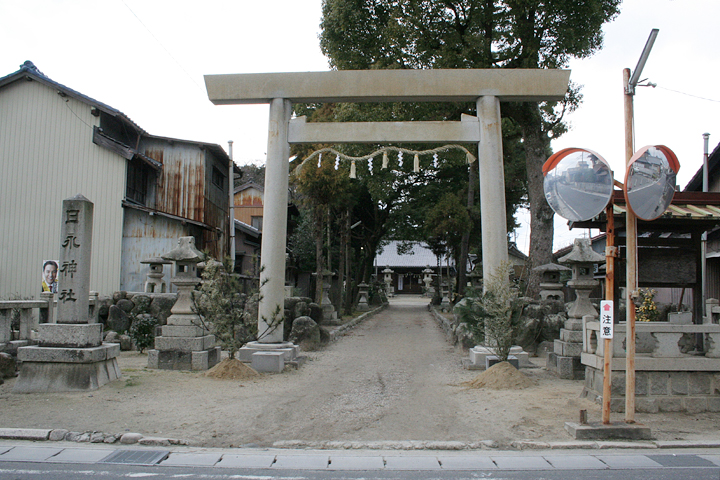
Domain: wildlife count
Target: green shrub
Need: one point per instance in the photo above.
(142, 331)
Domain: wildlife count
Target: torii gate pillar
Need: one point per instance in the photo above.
(274, 234)
(485, 87)
(492, 186)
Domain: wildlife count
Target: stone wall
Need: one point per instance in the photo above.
(115, 312)
(657, 391)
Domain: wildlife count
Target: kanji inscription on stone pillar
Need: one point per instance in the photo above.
(75, 250)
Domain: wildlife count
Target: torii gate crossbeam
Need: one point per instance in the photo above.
(484, 87)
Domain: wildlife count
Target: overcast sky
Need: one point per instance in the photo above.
(147, 58)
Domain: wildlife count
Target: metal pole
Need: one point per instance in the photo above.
(631, 270)
(610, 254)
(231, 183)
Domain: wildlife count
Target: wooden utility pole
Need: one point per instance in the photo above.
(631, 262)
(631, 284)
(610, 254)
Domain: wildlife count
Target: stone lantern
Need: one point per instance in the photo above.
(154, 282)
(363, 305)
(388, 281)
(329, 312)
(185, 343)
(550, 285)
(428, 275)
(582, 259)
(565, 360)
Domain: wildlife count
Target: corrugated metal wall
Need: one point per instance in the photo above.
(182, 181)
(47, 155)
(146, 236)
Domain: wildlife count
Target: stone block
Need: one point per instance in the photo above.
(659, 383)
(695, 404)
(646, 405)
(617, 405)
(183, 331)
(698, 383)
(5, 326)
(571, 336)
(289, 349)
(153, 360)
(170, 360)
(613, 431)
(567, 349)
(478, 354)
(183, 319)
(491, 360)
(679, 383)
(713, 404)
(44, 377)
(58, 435)
(666, 344)
(8, 366)
(670, 404)
(617, 384)
(77, 335)
(204, 360)
(199, 361)
(34, 353)
(565, 368)
(641, 383)
(267, 361)
(185, 344)
(575, 324)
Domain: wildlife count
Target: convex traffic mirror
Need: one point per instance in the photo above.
(650, 181)
(578, 183)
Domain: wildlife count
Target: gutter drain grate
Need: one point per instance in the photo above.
(136, 457)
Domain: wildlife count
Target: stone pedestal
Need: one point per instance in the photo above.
(185, 342)
(269, 357)
(480, 353)
(70, 355)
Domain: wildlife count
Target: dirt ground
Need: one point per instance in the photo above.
(394, 378)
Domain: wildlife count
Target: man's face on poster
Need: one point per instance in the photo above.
(50, 273)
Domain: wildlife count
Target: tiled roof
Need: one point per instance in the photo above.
(420, 256)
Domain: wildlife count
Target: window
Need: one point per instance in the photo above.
(218, 179)
(256, 222)
(139, 176)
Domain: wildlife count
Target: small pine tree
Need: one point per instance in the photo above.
(493, 316)
(226, 311)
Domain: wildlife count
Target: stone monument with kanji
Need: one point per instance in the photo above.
(70, 354)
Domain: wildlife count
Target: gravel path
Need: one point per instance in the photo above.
(391, 378)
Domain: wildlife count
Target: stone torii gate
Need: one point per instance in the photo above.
(487, 88)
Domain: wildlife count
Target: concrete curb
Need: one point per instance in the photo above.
(35, 434)
(493, 445)
(342, 329)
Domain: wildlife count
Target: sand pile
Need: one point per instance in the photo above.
(501, 376)
(231, 369)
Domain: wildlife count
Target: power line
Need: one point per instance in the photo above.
(689, 94)
(163, 46)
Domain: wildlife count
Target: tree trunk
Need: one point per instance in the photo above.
(319, 257)
(541, 215)
(465, 242)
